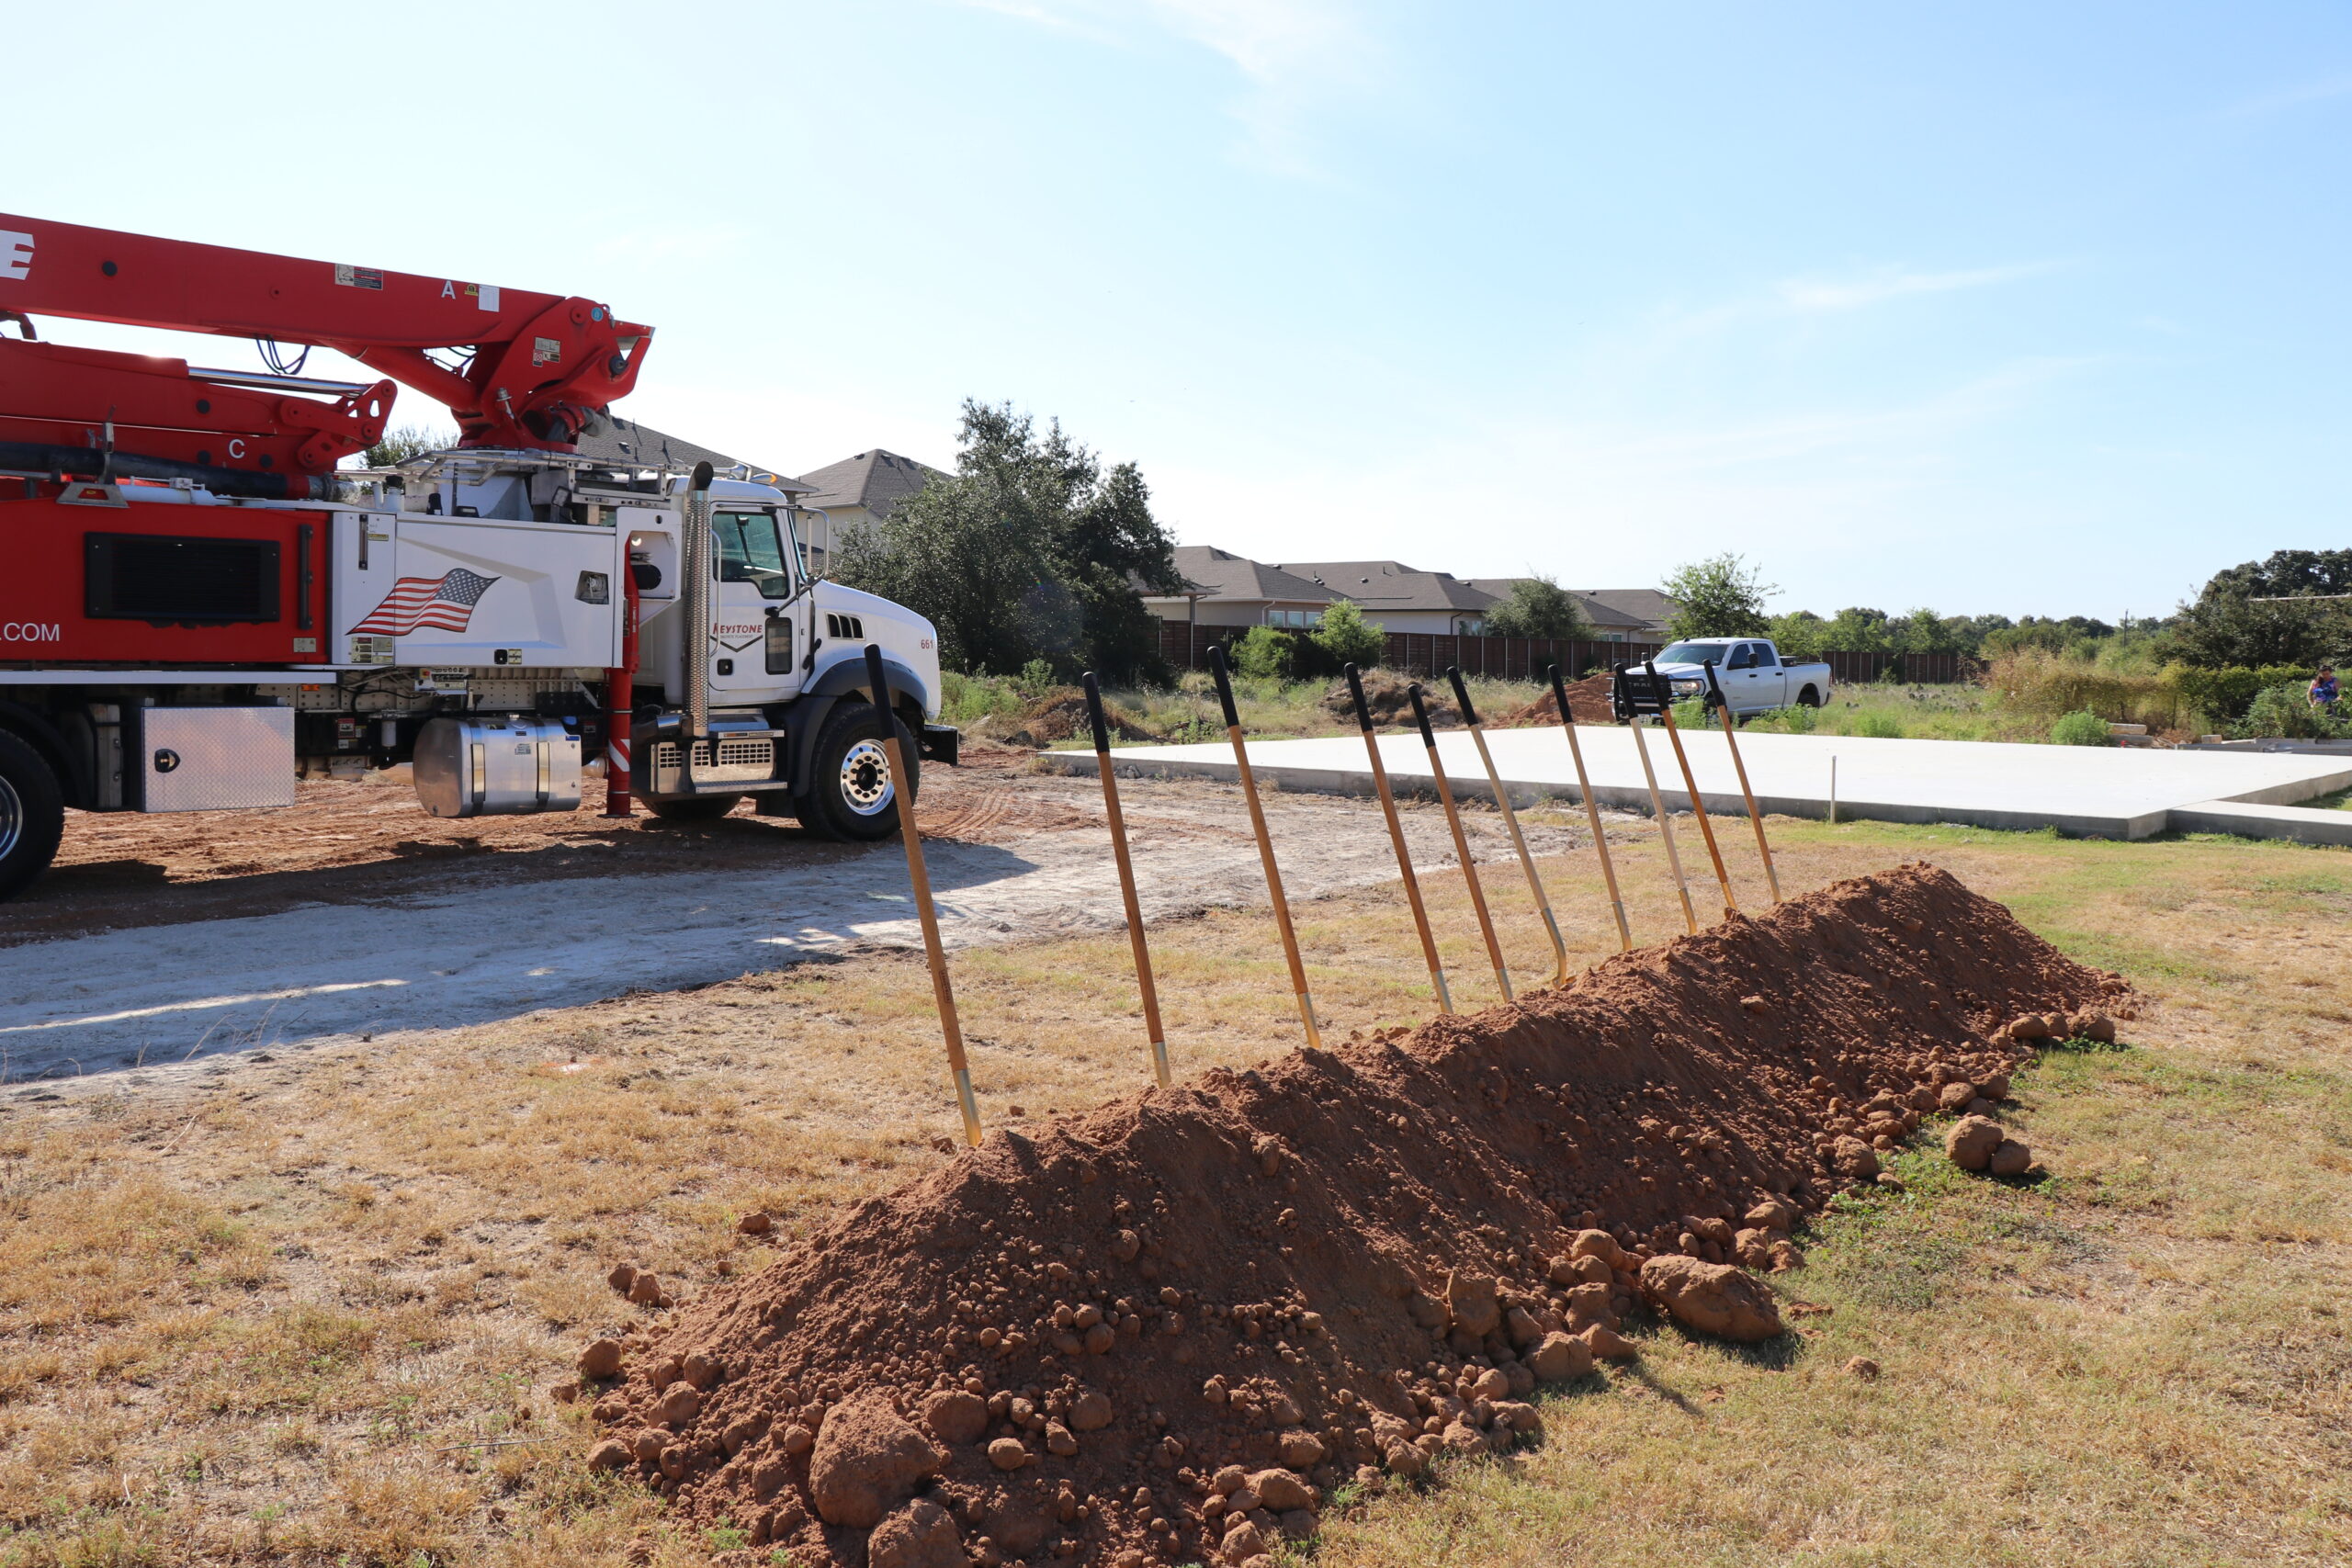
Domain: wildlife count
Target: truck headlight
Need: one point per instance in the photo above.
(1689, 685)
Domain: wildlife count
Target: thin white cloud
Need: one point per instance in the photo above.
(1294, 57)
(1875, 288)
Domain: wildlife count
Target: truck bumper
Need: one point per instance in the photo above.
(939, 742)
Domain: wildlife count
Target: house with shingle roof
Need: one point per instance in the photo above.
(624, 443)
(1226, 590)
(1615, 614)
(864, 488)
(1400, 598)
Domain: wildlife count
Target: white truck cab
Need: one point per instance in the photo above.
(1750, 672)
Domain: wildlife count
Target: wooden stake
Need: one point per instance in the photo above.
(1755, 819)
(1128, 881)
(1658, 806)
(1396, 836)
(941, 992)
(1265, 846)
(1461, 842)
(1592, 813)
(1690, 785)
(1510, 820)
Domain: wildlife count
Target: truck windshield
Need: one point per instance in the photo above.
(1694, 653)
(751, 550)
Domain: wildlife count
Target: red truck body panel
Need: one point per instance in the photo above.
(146, 586)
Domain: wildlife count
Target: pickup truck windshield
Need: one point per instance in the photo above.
(1695, 653)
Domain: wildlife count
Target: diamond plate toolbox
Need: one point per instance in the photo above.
(216, 759)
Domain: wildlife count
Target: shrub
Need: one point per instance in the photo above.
(1690, 713)
(1346, 637)
(2080, 729)
(2284, 712)
(1786, 721)
(1262, 653)
(1878, 726)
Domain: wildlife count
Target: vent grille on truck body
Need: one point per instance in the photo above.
(162, 577)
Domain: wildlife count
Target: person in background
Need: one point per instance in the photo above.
(2322, 692)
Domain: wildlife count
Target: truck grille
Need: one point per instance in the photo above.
(737, 761)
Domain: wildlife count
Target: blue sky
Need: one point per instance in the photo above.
(2034, 308)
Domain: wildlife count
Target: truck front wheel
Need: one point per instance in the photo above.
(851, 793)
(32, 814)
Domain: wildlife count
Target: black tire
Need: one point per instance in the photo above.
(1808, 698)
(851, 795)
(32, 814)
(693, 807)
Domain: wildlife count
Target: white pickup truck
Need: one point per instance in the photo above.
(1749, 670)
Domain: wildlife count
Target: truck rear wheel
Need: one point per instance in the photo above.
(850, 794)
(693, 807)
(1808, 698)
(32, 814)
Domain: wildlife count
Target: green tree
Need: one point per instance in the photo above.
(1346, 637)
(2225, 626)
(408, 441)
(1262, 653)
(1029, 550)
(1856, 630)
(1538, 607)
(1798, 633)
(1721, 596)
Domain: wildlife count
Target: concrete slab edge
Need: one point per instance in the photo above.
(1334, 780)
(2298, 824)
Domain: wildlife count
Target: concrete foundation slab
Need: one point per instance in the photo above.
(2091, 791)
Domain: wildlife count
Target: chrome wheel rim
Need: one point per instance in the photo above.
(12, 817)
(866, 779)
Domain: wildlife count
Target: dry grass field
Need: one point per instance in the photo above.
(307, 1306)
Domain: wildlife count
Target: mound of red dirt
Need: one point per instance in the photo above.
(1164, 1331)
(1387, 695)
(1061, 714)
(1588, 702)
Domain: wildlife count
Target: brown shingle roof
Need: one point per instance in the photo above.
(1226, 577)
(630, 443)
(877, 481)
(1391, 585)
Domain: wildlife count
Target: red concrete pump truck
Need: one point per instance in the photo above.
(199, 605)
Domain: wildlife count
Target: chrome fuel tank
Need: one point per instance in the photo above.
(495, 765)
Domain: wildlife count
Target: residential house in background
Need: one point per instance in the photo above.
(1400, 598)
(856, 490)
(1227, 589)
(625, 442)
(1615, 614)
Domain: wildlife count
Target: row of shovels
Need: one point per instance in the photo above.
(1630, 699)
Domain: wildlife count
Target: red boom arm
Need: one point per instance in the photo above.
(538, 367)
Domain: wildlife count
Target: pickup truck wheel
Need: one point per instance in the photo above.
(851, 794)
(1808, 698)
(693, 808)
(32, 814)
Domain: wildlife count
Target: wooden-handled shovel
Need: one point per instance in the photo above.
(1461, 841)
(1265, 845)
(1592, 812)
(1127, 880)
(1690, 785)
(1731, 738)
(1396, 836)
(941, 992)
(1510, 820)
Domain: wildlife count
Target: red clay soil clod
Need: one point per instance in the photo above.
(1165, 1331)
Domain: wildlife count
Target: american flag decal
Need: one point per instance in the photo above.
(445, 603)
